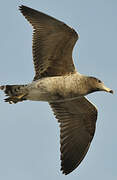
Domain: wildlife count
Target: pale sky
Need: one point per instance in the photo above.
(29, 133)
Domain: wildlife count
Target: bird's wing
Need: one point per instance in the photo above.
(53, 42)
(77, 120)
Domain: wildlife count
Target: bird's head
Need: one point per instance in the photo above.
(98, 85)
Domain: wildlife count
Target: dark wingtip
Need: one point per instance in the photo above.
(21, 7)
(65, 172)
(25, 10)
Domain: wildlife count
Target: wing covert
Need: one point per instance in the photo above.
(77, 120)
(53, 42)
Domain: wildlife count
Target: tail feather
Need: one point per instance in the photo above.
(16, 93)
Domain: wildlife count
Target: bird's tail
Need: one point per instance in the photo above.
(15, 93)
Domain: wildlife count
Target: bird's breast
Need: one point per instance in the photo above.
(56, 89)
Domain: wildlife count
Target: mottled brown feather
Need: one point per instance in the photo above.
(77, 126)
(53, 42)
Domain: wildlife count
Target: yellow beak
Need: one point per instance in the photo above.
(107, 89)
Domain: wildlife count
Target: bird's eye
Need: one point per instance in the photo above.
(99, 81)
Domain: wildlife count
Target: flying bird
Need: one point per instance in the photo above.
(57, 81)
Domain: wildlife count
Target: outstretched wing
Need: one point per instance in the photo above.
(77, 120)
(53, 42)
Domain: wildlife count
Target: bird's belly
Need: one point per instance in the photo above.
(51, 89)
(36, 95)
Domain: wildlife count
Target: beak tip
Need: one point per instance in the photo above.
(111, 91)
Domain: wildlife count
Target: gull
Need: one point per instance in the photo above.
(57, 81)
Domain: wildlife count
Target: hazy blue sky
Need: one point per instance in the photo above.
(29, 133)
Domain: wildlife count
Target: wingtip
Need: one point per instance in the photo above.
(22, 8)
(64, 171)
(25, 10)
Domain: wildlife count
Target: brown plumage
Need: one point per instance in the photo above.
(57, 82)
(53, 42)
(77, 120)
